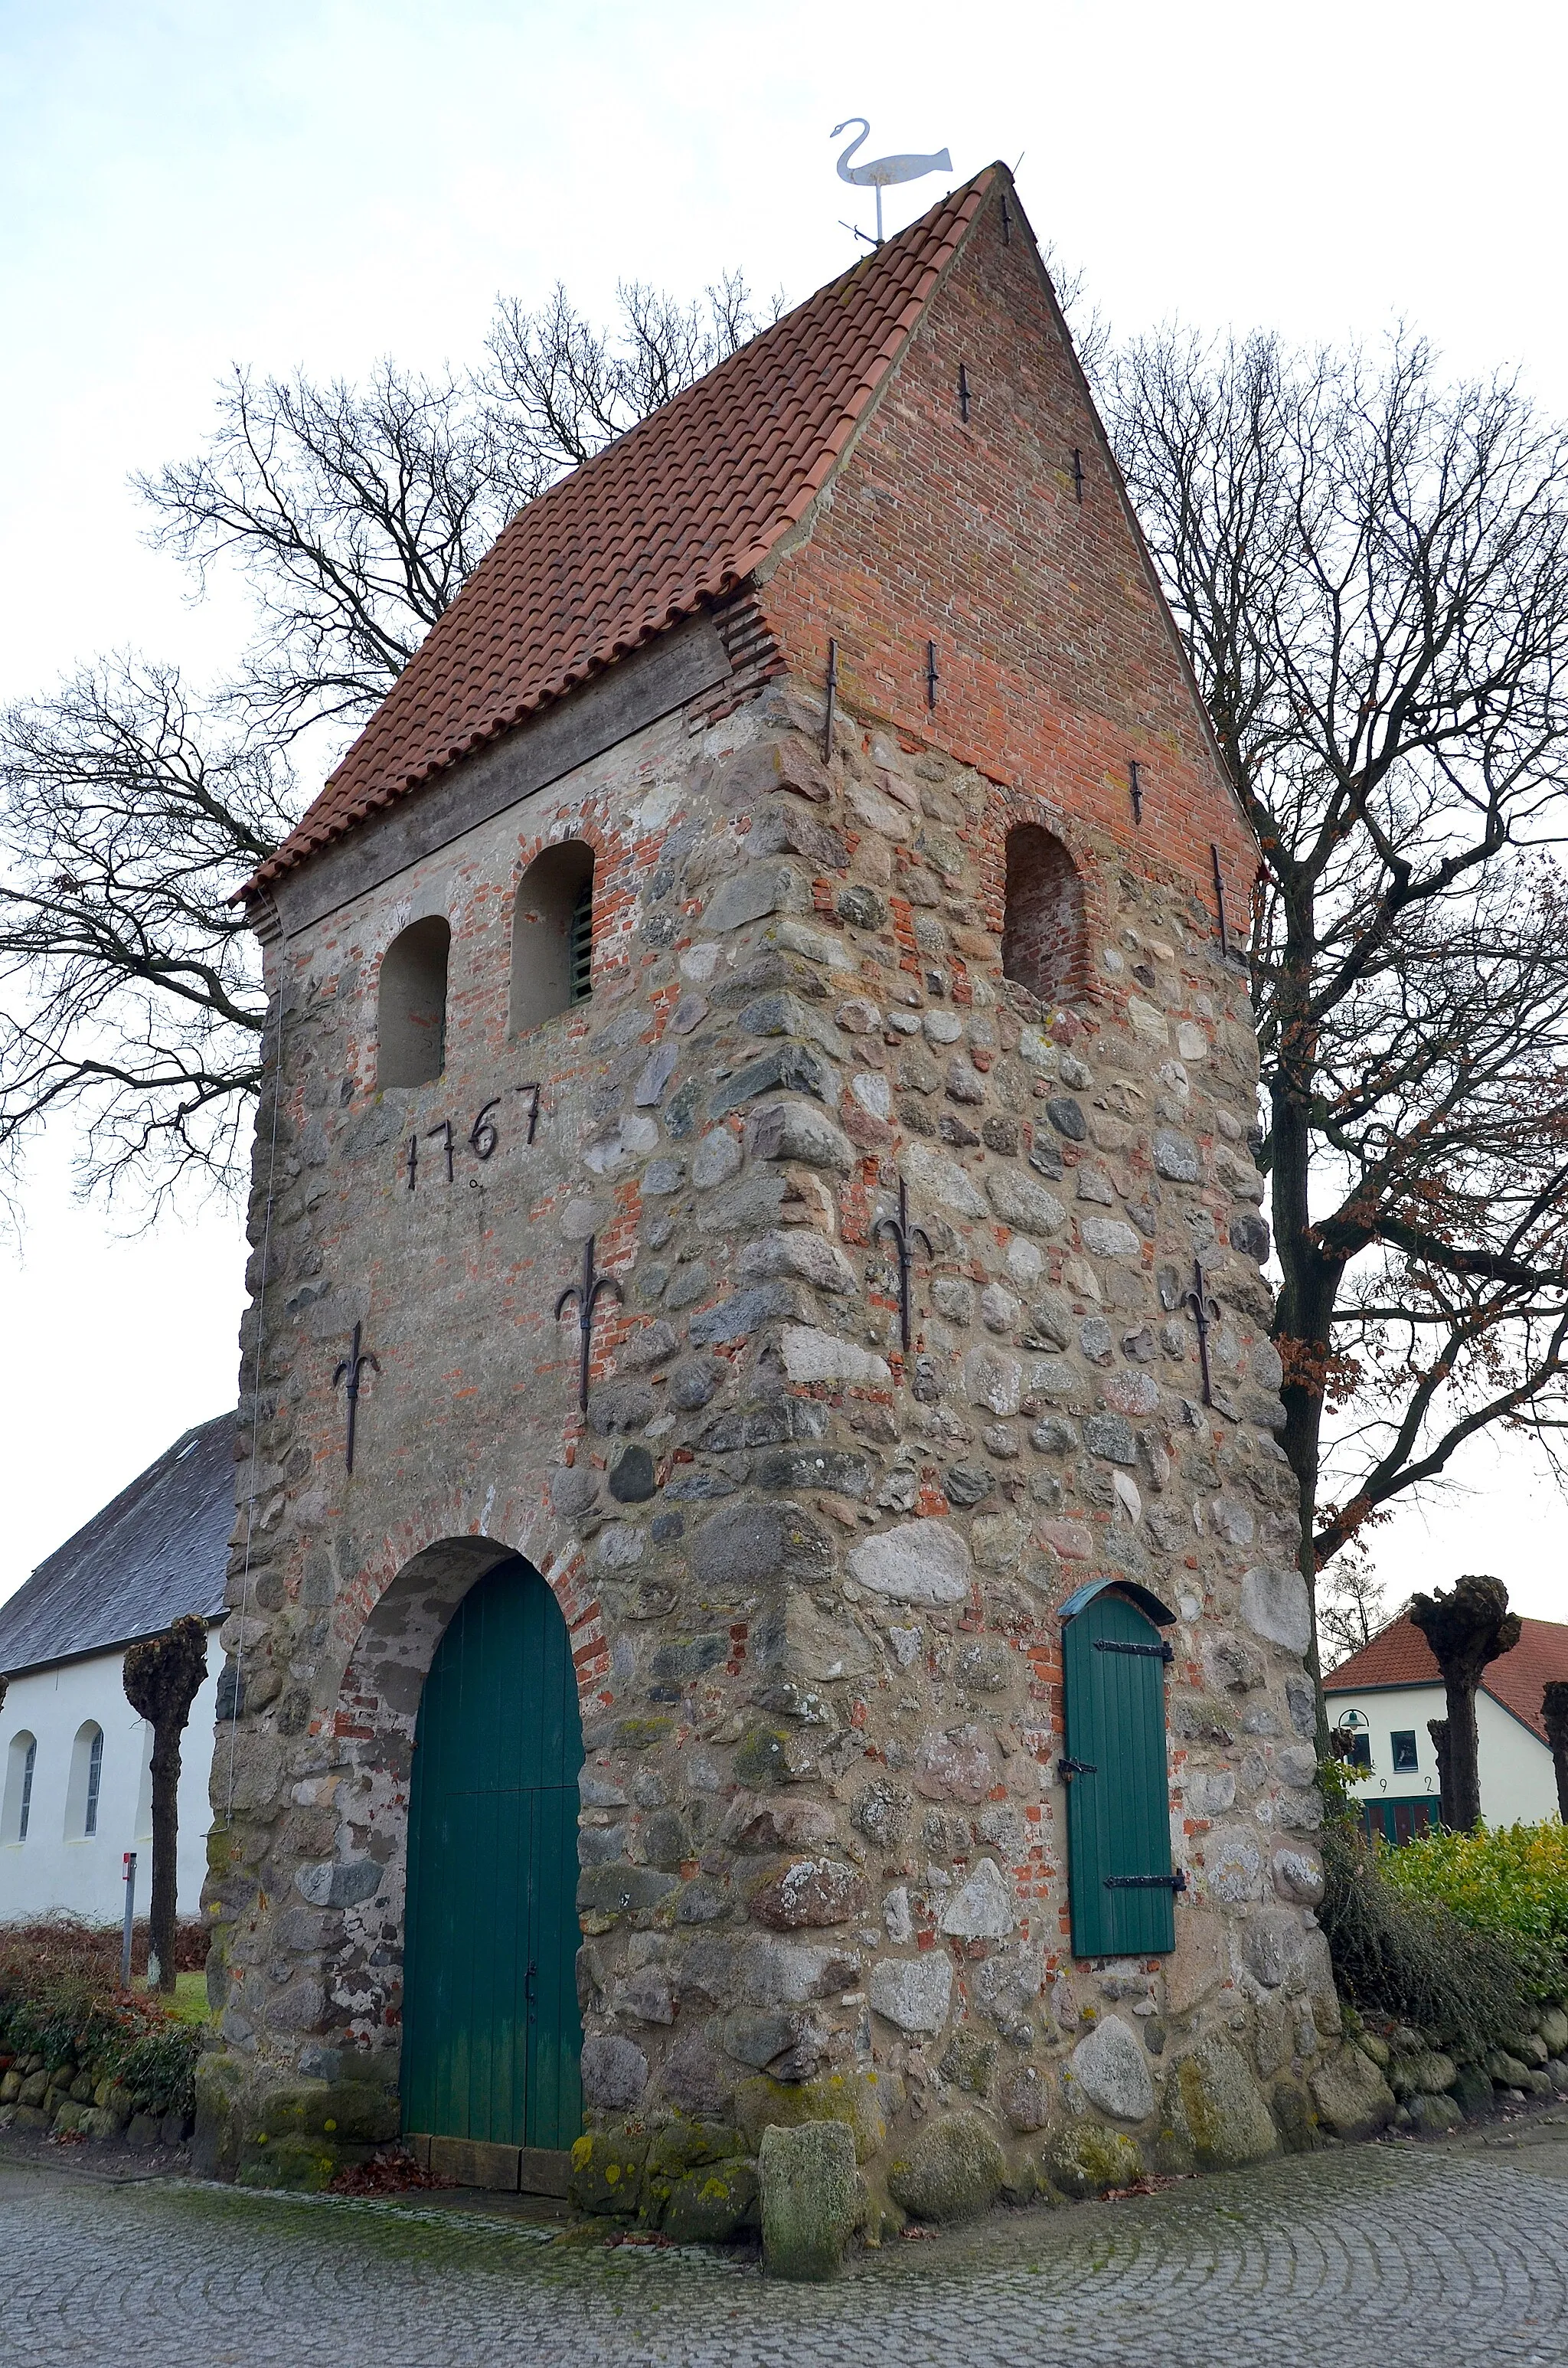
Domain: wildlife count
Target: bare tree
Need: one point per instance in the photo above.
(130, 810)
(1350, 1606)
(128, 982)
(1370, 570)
(1467, 1629)
(162, 1679)
(560, 390)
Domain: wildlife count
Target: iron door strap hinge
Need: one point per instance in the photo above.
(1145, 1652)
(1177, 1881)
(1066, 1768)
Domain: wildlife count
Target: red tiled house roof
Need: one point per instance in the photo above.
(1399, 1655)
(676, 513)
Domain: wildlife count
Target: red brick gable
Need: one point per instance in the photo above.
(675, 513)
(1058, 664)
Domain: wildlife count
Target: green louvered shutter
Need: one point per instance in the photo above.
(491, 2035)
(1118, 1802)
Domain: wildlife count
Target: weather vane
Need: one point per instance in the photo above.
(883, 171)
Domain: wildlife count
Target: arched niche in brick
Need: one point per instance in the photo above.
(553, 931)
(411, 1005)
(1042, 922)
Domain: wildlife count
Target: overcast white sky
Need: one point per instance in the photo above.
(188, 185)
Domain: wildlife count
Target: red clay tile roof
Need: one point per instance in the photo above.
(1399, 1655)
(679, 511)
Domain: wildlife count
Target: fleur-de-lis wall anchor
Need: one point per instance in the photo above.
(902, 1235)
(1205, 1311)
(349, 1369)
(586, 1294)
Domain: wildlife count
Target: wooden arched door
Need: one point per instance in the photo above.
(491, 2035)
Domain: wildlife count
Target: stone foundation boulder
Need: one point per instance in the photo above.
(952, 2170)
(1086, 2159)
(1215, 2113)
(713, 2206)
(1353, 2098)
(809, 2194)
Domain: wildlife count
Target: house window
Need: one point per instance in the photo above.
(552, 935)
(1403, 1750)
(16, 1808)
(95, 1777)
(1042, 924)
(411, 1007)
(87, 1778)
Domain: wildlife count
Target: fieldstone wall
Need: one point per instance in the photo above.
(810, 1580)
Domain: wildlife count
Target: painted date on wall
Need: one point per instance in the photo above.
(483, 1138)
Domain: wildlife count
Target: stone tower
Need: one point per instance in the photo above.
(804, 814)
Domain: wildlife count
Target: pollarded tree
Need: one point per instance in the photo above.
(1554, 1711)
(162, 1679)
(1467, 1629)
(1371, 571)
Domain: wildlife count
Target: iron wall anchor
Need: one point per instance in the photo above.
(349, 1369)
(586, 1294)
(903, 1234)
(1205, 1310)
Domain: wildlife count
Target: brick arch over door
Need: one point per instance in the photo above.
(358, 1967)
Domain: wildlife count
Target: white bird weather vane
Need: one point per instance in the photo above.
(882, 171)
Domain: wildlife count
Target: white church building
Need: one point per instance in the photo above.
(75, 1780)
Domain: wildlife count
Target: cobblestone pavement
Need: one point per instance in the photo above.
(1386, 2255)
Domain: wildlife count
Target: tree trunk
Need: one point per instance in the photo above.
(1304, 1315)
(1467, 1628)
(1554, 1709)
(163, 1909)
(1438, 1728)
(162, 1679)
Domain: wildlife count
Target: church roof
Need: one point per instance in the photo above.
(1399, 1655)
(676, 512)
(161, 1549)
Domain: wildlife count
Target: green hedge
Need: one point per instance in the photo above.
(1509, 1882)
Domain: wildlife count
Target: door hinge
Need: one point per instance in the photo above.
(1177, 1881)
(1144, 1652)
(1066, 1768)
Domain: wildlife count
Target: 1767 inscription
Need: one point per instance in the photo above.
(483, 1136)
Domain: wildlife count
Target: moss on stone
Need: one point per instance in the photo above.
(864, 2101)
(810, 2196)
(1087, 2159)
(953, 2170)
(606, 2172)
(290, 2161)
(760, 1757)
(713, 2206)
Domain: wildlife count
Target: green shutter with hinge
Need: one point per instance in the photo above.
(1118, 1833)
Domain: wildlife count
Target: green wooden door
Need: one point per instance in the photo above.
(491, 2035)
(1118, 1833)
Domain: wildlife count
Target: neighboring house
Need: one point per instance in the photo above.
(1385, 1694)
(75, 1780)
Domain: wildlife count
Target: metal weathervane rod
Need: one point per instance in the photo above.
(882, 171)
